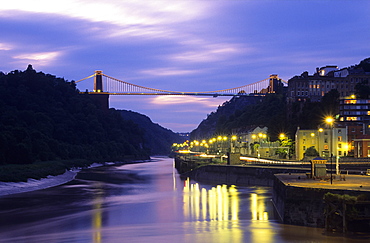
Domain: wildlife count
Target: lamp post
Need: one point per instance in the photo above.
(330, 120)
(318, 141)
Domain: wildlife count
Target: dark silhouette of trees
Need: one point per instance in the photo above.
(46, 118)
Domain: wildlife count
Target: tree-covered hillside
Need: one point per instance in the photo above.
(45, 118)
(156, 138)
(271, 111)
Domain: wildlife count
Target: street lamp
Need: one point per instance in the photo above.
(318, 141)
(330, 120)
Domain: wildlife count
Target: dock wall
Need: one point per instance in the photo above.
(239, 175)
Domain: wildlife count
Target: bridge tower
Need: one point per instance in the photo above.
(102, 99)
(275, 84)
(98, 81)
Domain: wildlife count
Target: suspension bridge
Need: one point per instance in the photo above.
(104, 84)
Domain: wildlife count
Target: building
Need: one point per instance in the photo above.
(362, 146)
(313, 87)
(354, 111)
(355, 115)
(250, 135)
(323, 140)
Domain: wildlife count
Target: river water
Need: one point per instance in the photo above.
(147, 202)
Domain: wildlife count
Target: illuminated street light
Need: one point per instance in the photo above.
(330, 121)
(318, 140)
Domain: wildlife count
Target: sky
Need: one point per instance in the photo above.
(181, 45)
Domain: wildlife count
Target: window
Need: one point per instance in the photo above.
(339, 138)
(304, 148)
(351, 118)
(339, 145)
(325, 140)
(340, 131)
(340, 153)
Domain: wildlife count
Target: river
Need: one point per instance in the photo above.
(147, 202)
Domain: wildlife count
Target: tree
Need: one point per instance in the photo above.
(312, 152)
(362, 90)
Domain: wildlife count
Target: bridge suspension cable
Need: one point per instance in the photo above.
(115, 86)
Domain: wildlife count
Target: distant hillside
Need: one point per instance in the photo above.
(45, 118)
(269, 111)
(156, 138)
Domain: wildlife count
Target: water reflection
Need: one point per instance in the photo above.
(219, 209)
(261, 230)
(97, 213)
(219, 203)
(213, 210)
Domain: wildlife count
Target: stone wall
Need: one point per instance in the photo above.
(303, 205)
(239, 175)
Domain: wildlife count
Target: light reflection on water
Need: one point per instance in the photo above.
(146, 203)
(222, 203)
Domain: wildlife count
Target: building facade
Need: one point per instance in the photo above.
(325, 141)
(355, 115)
(362, 147)
(313, 87)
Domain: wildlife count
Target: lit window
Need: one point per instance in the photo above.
(351, 118)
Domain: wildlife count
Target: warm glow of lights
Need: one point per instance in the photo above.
(219, 138)
(224, 138)
(234, 137)
(258, 208)
(220, 203)
(321, 129)
(254, 136)
(312, 134)
(329, 120)
(281, 135)
(184, 151)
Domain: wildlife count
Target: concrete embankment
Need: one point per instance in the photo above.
(240, 175)
(298, 199)
(301, 202)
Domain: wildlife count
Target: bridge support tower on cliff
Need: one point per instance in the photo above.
(100, 97)
(98, 81)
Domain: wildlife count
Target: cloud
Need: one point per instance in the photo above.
(39, 58)
(168, 72)
(129, 17)
(5, 47)
(208, 53)
(187, 101)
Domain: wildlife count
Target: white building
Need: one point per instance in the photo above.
(325, 141)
